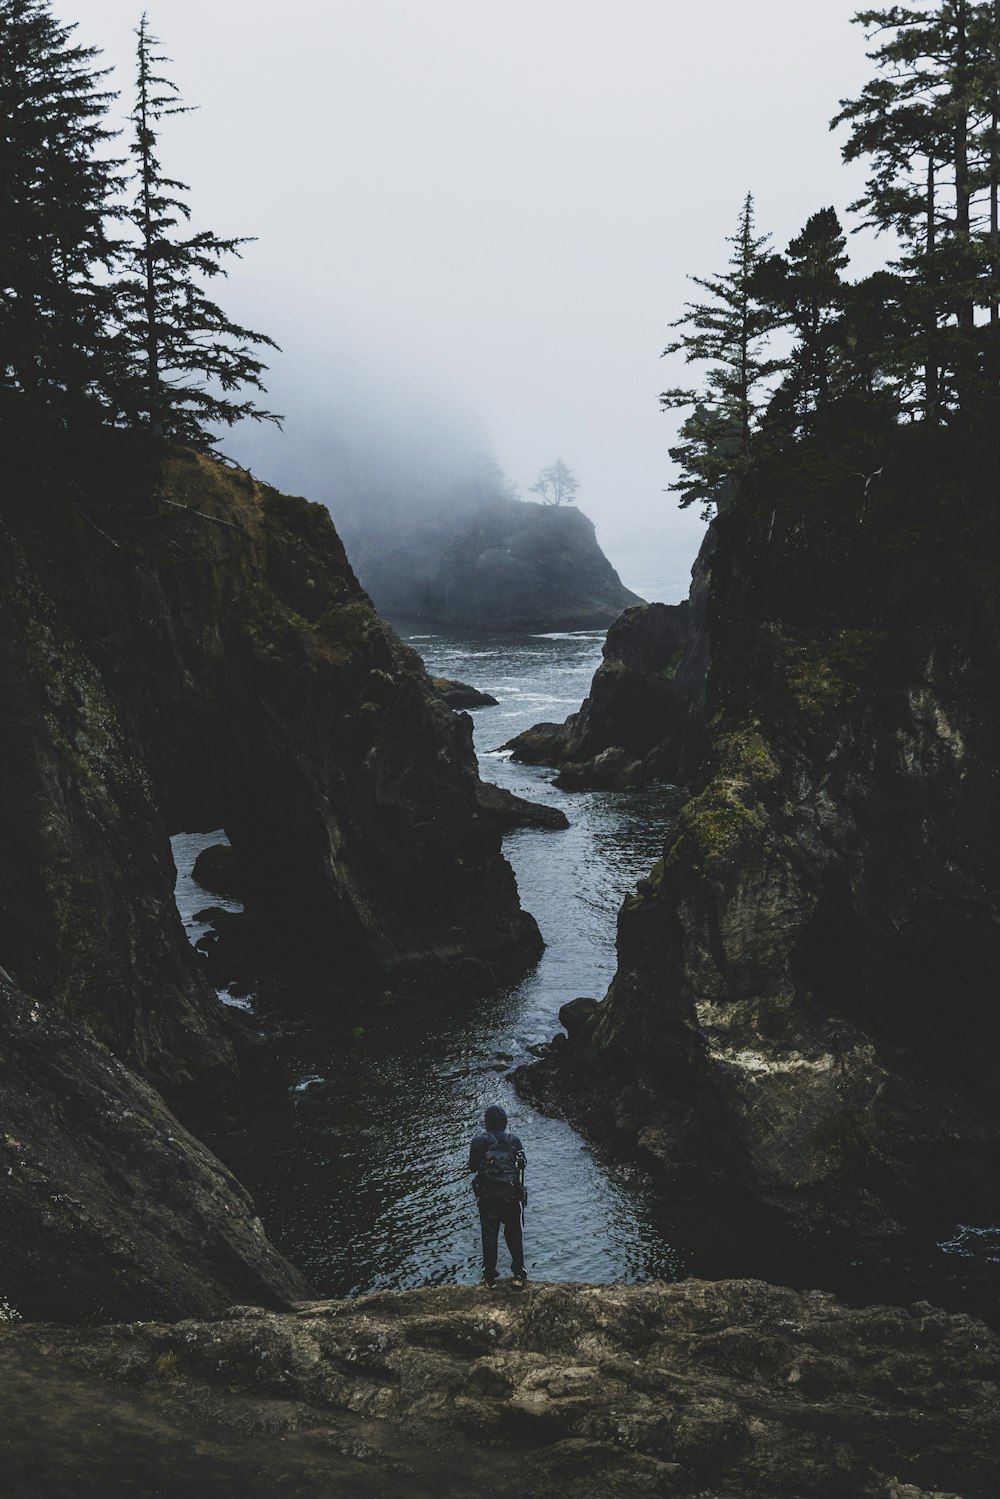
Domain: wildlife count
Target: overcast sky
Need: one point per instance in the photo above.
(474, 222)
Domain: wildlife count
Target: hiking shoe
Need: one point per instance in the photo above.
(487, 1285)
(520, 1280)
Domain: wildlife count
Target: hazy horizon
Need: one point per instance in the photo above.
(473, 230)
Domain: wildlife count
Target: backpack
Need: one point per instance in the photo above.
(499, 1177)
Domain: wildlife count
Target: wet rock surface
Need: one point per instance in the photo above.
(216, 869)
(461, 695)
(510, 811)
(642, 719)
(728, 1390)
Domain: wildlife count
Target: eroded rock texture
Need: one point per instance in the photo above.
(205, 658)
(806, 1000)
(109, 1208)
(732, 1390)
(642, 720)
(185, 648)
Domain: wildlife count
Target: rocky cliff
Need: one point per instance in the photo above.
(109, 1207)
(507, 566)
(642, 719)
(700, 1391)
(805, 1004)
(184, 648)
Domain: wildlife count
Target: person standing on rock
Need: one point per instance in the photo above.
(498, 1160)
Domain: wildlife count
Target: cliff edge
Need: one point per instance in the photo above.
(509, 566)
(184, 648)
(804, 1008)
(716, 1390)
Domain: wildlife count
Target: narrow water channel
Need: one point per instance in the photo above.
(362, 1180)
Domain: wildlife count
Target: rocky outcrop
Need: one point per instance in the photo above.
(509, 811)
(642, 720)
(217, 869)
(804, 1008)
(508, 566)
(109, 1208)
(460, 695)
(181, 648)
(194, 652)
(717, 1390)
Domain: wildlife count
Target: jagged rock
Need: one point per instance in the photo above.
(184, 647)
(510, 811)
(509, 566)
(216, 869)
(109, 1208)
(641, 721)
(804, 1007)
(700, 1390)
(460, 695)
(577, 1014)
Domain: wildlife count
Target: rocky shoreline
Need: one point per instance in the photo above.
(721, 1390)
(802, 1010)
(642, 720)
(182, 647)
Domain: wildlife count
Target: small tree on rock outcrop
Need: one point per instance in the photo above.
(557, 484)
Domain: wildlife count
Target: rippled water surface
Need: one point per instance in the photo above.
(362, 1180)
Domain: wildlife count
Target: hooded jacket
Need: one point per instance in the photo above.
(495, 1126)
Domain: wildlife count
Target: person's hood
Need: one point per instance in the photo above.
(495, 1118)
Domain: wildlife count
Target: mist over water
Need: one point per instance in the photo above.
(398, 467)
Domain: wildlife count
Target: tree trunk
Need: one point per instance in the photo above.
(931, 381)
(963, 191)
(149, 259)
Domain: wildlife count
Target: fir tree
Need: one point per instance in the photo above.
(927, 123)
(728, 333)
(55, 190)
(806, 290)
(186, 358)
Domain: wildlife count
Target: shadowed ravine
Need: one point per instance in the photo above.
(361, 1181)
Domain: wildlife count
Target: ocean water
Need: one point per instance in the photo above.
(359, 1171)
(360, 1178)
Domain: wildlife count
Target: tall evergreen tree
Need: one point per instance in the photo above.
(727, 333)
(56, 183)
(806, 290)
(186, 357)
(927, 125)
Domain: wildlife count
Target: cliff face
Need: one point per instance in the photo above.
(510, 566)
(188, 649)
(166, 669)
(805, 1004)
(643, 717)
(109, 1208)
(719, 1390)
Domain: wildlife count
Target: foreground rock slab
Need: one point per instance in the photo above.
(109, 1208)
(718, 1390)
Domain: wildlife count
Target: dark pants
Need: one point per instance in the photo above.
(491, 1215)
